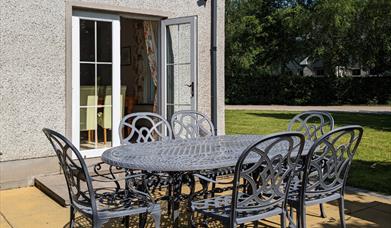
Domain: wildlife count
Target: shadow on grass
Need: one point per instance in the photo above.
(371, 176)
(376, 121)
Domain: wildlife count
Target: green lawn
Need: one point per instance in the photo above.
(371, 168)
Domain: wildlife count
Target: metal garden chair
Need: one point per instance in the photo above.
(142, 127)
(325, 171)
(99, 204)
(189, 124)
(312, 124)
(266, 169)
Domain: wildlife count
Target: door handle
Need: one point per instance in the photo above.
(191, 86)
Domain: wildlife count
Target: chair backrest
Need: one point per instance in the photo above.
(189, 124)
(78, 180)
(88, 114)
(329, 160)
(312, 124)
(107, 110)
(267, 167)
(142, 127)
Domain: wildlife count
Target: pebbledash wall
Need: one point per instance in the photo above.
(35, 73)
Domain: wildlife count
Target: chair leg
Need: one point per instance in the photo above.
(126, 221)
(282, 218)
(322, 212)
(298, 217)
(342, 212)
(156, 218)
(142, 220)
(213, 189)
(303, 223)
(72, 217)
(290, 214)
(104, 136)
(97, 223)
(169, 199)
(191, 219)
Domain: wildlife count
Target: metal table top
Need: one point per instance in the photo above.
(183, 155)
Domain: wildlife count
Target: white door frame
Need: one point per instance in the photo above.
(116, 76)
(192, 20)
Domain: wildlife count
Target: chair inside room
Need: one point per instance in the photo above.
(88, 117)
(105, 120)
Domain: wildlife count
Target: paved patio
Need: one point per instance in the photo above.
(29, 207)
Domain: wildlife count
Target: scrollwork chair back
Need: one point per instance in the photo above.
(267, 179)
(329, 161)
(188, 124)
(325, 172)
(142, 127)
(99, 204)
(81, 193)
(312, 124)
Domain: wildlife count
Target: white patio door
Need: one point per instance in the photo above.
(179, 65)
(95, 81)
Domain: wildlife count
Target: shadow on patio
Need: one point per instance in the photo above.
(29, 206)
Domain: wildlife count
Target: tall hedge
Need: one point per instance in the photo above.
(299, 90)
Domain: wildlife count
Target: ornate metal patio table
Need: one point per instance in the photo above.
(182, 156)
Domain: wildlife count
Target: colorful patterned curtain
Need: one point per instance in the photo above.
(150, 44)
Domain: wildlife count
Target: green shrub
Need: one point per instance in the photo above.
(298, 90)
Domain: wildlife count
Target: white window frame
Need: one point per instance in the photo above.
(192, 20)
(116, 77)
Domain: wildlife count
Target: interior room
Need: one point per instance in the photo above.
(139, 72)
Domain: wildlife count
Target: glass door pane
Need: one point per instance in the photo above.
(95, 84)
(179, 64)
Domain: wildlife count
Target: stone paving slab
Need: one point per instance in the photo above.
(3, 222)
(29, 207)
(381, 109)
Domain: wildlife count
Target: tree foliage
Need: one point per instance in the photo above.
(263, 36)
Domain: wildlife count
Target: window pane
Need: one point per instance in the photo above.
(172, 43)
(87, 85)
(178, 43)
(184, 43)
(104, 39)
(184, 91)
(104, 124)
(87, 40)
(87, 128)
(104, 82)
(171, 83)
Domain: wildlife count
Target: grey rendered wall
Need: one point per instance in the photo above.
(33, 67)
(32, 71)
